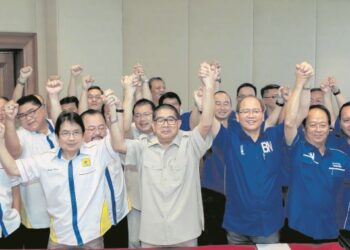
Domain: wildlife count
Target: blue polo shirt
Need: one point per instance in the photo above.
(185, 121)
(253, 180)
(213, 174)
(315, 181)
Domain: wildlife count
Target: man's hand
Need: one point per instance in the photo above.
(303, 73)
(208, 74)
(24, 74)
(75, 70)
(88, 80)
(198, 98)
(54, 87)
(139, 71)
(11, 110)
(284, 92)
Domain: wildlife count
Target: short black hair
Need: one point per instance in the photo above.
(92, 112)
(142, 102)
(315, 89)
(4, 98)
(165, 106)
(70, 99)
(70, 117)
(29, 99)
(347, 104)
(262, 106)
(246, 84)
(268, 87)
(223, 92)
(170, 95)
(321, 107)
(157, 78)
(95, 87)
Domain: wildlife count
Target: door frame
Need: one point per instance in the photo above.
(27, 42)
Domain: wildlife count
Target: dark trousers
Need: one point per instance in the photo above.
(13, 241)
(214, 208)
(34, 238)
(117, 236)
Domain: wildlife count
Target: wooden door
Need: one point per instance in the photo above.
(7, 74)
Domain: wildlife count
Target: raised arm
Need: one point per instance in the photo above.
(303, 73)
(6, 159)
(129, 89)
(22, 80)
(326, 88)
(86, 84)
(336, 91)
(117, 136)
(197, 107)
(11, 138)
(272, 120)
(53, 89)
(208, 76)
(75, 72)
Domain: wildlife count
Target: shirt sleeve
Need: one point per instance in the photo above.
(28, 169)
(200, 145)
(134, 151)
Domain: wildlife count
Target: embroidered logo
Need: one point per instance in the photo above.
(86, 162)
(266, 147)
(336, 166)
(242, 150)
(311, 155)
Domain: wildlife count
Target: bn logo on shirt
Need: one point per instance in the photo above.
(266, 147)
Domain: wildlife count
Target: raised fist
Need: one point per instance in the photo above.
(303, 72)
(208, 74)
(24, 74)
(11, 110)
(54, 87)
(76, 70)
(88, 80)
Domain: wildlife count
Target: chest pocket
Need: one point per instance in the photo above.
(86, 170)
(152, 172)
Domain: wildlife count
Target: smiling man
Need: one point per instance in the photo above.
(169, 164)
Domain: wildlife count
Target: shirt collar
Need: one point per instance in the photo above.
(59, 154)
(154, 140)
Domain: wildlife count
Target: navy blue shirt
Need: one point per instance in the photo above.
(253, 180)
(185, 121)
(315, 181)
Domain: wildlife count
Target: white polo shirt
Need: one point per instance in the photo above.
(33, 205)
(171, 202)
(9, 217)
(116, 193)
(74, 190)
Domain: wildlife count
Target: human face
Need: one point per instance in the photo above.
(345, 121)
(69, 107)
(2, 110)
(95, 127)
(166, 126)
(70, 139)
(143, 118)
(223, 106)
(270, 97)
(157, 90)
(244, 92)
(32, 117)
(316, 127)
(94, 99)
(173, 102)
(317, 97)
(250, 115)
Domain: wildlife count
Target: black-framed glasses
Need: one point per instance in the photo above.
(170, 120)
(30, 113)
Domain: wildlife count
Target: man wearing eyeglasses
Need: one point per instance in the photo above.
(172, 213)
(35, 136)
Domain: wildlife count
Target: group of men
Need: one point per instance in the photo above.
(158, 179)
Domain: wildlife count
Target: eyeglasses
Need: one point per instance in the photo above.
(170, 120)
(250, 111)
(96, 97)
(100, 128)
(67, 134)
(139, 116)
(320, 126)
(29, 113)
(272, 97)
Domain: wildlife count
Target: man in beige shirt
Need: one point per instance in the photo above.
(171, 204)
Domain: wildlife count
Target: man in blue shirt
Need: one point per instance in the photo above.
(317, 172)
